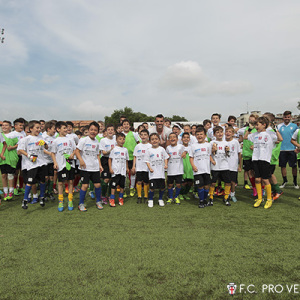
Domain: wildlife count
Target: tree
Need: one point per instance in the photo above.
(176, 118)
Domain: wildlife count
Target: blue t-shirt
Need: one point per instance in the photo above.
(286, 132)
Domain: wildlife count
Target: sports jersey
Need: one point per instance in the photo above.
(139, 153)
(264, 143)
(156, 158)
(201, 154)
(175, 163)
(220, 157)
(31, 146)
(119, 156)
(61, 146)
(286, 132)
(210, 133)
(49, 140)
(132, 138)
(89, 151)
(193, 140)
(247, 151)
(74, 137)
(16, 135)
(233, 159)
(107, 144)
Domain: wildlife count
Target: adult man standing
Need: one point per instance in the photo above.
(287, 150)
(163, 131)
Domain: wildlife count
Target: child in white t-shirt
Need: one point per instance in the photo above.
(176, 153)
(157, 162)
(118, 166)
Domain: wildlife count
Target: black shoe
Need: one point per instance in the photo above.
(210, 203)
(139, 200)
(227, 203)
(205, 203)
(52, 198)
(24, 204)
(145, 200)
(42, 201)
(201, 204)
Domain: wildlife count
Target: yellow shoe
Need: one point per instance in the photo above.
(268, 204)
(247, 187)
(132, 192)
(258, 202)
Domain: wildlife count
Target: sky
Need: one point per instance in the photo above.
(82, 59)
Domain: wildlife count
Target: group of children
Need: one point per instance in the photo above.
(201, 157)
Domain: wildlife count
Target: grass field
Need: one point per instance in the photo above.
(134, 252)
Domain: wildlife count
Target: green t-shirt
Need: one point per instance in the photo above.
(275, 154)
(130, 144)
(11, 157)
(247, 152)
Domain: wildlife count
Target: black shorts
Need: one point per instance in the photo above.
(261, 169)
(142, 176)
(50, 170)
(130, 164)
(176, 178)
(7, 169)
(24, 174)
(201, 180)
(19, 163)
(64, 175)
(272, 169)
(118, 180)
(86, 177)
(247, 165)
(104, 162)
(233, 175)
(221, 175)
(188, 180)
(287, 157)
(36, 175)
(157, 184)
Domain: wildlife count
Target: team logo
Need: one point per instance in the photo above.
(266, 139)
(231, 288)
(94, 146)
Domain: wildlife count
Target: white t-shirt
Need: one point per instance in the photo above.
(233, 159)
(193, 140)
(31, 146)
(139, 153)
(74, 137)
(164, 135)
(119, 155)
(1, 138)
(107, 144)
(156, 158)
(61, 146)
(24, 158)
(89, 151)
(201, 154)
(220, 157)
(210, 133)
(263, 143)
(295, 135)
(49, 140)
(175, 163)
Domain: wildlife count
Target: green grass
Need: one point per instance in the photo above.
(133, 252)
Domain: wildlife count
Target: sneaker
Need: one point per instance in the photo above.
(247, 187)
(121, 201)
(177, 201)
(277, 195)
(24, 204)
(55, 191)
(81, 207)
(125, 195)
(99, 205)
(258, 202)
(145, 200)
(296, 186)
(139, 200)
(60, 206)
(233, 198)
(283, 185)
(186, 197)
(112, 203)
(254, 193)
(169, 201)
(161, 203)
(16, 192)
(268, 204)
(92, 195)
(42, 201)
(150, 203)
(201, 204)
(227, 203)
(132, 192)
(10, 196)
(210, 202)
(70, 205)
(5, 197)
(181, 197)
(51, 197)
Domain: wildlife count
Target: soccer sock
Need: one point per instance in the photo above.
(151, 195)
(81, 196)
(170, 193)
(27, 191)
(252, 180)
(205, 194)
(201, 194)
(60, 197)
(227, 191)
(121, 195)
(50, 186)
(5, 190)
(11, 190)
(21, 181)
(98, 193)
(295, 180)
(177, 192)
(284, 178)
(276, 188)
(139, 190)
(269, 191)
(112, 197)
(259, 191)
(70, 197)
(42, 189)
(104, 188)
(160, 194)
(146, 190)
(132, 181)
(211, 192)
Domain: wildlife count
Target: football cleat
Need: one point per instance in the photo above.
(283, 185)
(139, 200)
(258, 202)
(210, 202)
(121, 201)
(42, 201)
(24, 204)
(201, 204)
(227, 203)
(268, 204)
(132, 192)
(70, 205)
(112, 203)
(296, 186)
(177, 201)
(277, 195)
(99, 205)
(150, 203)
(161, 203)
(81, 207)
(60, 206)
(247, 187)
(169, 201)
